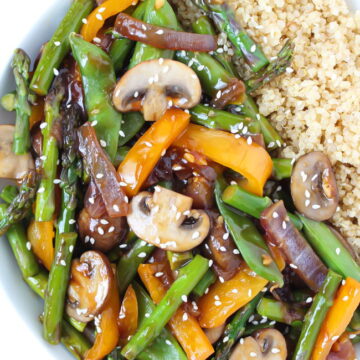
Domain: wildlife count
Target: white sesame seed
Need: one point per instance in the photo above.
(28, 245)
(72, 221)
(103, 143)
(314, 177)
(226, 236)
(101, 230)
(272, 323)
(57, 43)
(96, 40)
(211, 262)
(168, 342)
(185, 317)
(234, 291)
(334, 338)
(307, 193)
(217, 303)
(142, 255)
(148, 315)
(284, 225)
(99, 176)
(303, 176)
(307, 202)
(116, 208)
(41, 190)
(104, 222)
(101, 10)
(56, 72)
(249, 140)
(87, 238)
(94, 123)
(159, 32)
(249, 292)
(241, 341)
(99, 17)
(43, 157)
(71, 248)
(271, 144)
(352, 336)
(252, 354)
(293, 266)
(345, 298)
(225, 339)
(278, 143)
(122, 246)
(253, 48)
(222, 248)
(275, 215)
(275, 350)
(221, 279)
(122, 316)
(92, 241)
(91, 200)
(289, 70)
(121, 133)
(43, 125)
(236, 252)
(62, 263)
(148, 144)
(126, 199)
(184, 298)
(337, 251)
(84, 21)
(57, 181)
(158, 274)
(195, 235)
(316, 206)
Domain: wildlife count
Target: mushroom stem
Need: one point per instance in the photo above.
(154, 103)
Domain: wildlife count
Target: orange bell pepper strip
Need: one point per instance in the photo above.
(143, 156)
(184, 326)
(250, 160)
(337, 319)
(128, 317)
(41, 237)
(37, 112)
(96, 20)
(223, 299)
(107, 338)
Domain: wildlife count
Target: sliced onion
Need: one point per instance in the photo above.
(297, 252)
(102, 172)
(232, 92)
(163, 38)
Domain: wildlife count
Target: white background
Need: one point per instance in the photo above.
(20, 336)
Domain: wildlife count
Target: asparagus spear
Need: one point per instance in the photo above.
(58, 46)
(235, 329)
(323, 300)
(152, 326)
(65, 238)
(21, 68)
(128, 264)
(208, 279)
(21, 203)
(8, 193)
(282, 168)
(45, 199)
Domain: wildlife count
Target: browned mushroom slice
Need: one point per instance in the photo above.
(91, 279)
(166, 220)
(313, 186)
(154, 86)
(12, 166)
(214, 334)
(102, 233)
(267, 344)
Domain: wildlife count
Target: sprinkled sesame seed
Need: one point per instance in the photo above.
(96, 40)
(41, 190)
(249, 292)
(275, 350)
(272, 323)
(43, 125)
(252, 354)
(104, 222)
(87, 238)
(103, 143)
(221, 279)
(334, 338)
(195, 235)
(56, 72)
(249, 140)
(303, 176)
(168, 342)
(275, 215)
(185, 317)
(28, 245)
(99, 176)
(211, 262)
(148, 144)
(142, 255)
(122, 246)
(184, 298)
(343, 282)
(309, 300)
(284, 225)
(101, 230)
(314, 177)
(253, 48)
(122, 316)
(234, 291)
(158, 274)
(352, 336)
(84, 21)
(225, 339)
(148, 315)
(57, 43)
(62, 263)
(236, 252)
(278, 143)
(271, 144)
(94, 123)
(316, 206)
(57, 181)
(99, 17)
(345, 298)
(293, 266)
(337, 251)
(307, 202)
(92, 241)
(307, 193)
(217, 303)
(289, 70)
(72, 221)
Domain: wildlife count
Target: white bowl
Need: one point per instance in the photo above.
(27, 24)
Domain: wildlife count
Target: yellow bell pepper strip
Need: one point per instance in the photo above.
(108, 332)
(128, 317)
(250, 160)
(37, 112)
(41, 237)
(184, 326)
(337, 319)
(96, 20)
(225, 298)
(143, 156)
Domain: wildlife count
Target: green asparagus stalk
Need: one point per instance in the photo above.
(235, 329)
(282, 168)
(8, 193)
(21, 68)
(152, 326)
(20, 204)
(45, 199)
(272, 70)
(280, 312)
(315, 316)
(58, 46)
(248, 239)
(222, 120)
(177, 260)
(38, 283)
(206, 281)
(128, 264)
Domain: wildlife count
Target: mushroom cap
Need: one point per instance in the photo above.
(165, 219)
(91, 280)
(12, 166)
(313, 186)
(155, 85)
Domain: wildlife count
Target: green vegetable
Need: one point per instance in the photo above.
(235, 328)
(45, 199)
(282, 168)
(128, 264)
(21, 69)
(120, 155)
(164, 17)
(8, 101)
(132, 123)
(315, 316)
(152, 326)
(8, 193)
(177, 260)
(355, 321)
(222, 120)
(98, 79)
(248, 239)
(206, 281)
(58, 47)
(330, 249)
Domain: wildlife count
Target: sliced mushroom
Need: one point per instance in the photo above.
(12, 166)
(313, 186)
(165, 219)
(101, 233)
(267, 344)
(91, 279)
(154, 86)
(214, 334)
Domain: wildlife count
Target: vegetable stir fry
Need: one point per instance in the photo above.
(152, 211)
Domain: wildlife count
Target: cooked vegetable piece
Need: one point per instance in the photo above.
(96, 20)
(102, 172)
(313, 186)
(132, 124)
(183, 325)
(21, 68)
(295, 249)
(206, 281)
(161, 37)
(282, 168)
(248, 240)
(8, 193)
(214, 334)
(89, 288)
(143, 156)
(98, 80)
(58, 46)
(177, 260)
(235, 328)
(225, 298)
(315, 316)
(151, 327)
(330, 249)
(338, 318)
(251, 161)
(266, 344)
(12, 166)
(160, 220)
(164, 83)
